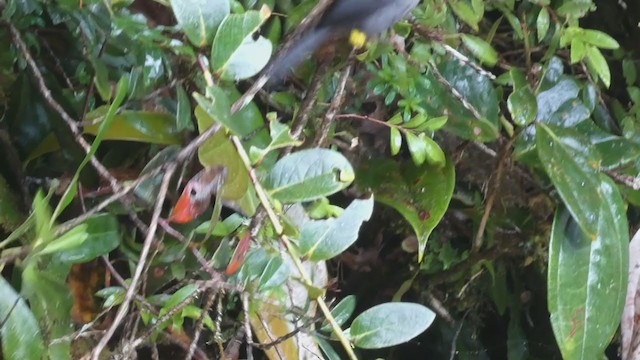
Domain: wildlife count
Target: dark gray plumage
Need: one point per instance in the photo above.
(369, 16)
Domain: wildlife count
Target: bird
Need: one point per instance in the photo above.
(353, 20)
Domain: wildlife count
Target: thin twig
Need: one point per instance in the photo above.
(247, 324)
(124, 307)
(493, 192)
(310, 98)
(336, 104)
(211, 296)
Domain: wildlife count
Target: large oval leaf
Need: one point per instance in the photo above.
(235, 54)
(390, 324)
(420, 194)
(476, 90)
(324, 239)
(573, 169)
(21, 338)
(588, 277)
(200, 18)
(309, 175)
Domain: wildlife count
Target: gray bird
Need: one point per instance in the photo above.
(370, 17)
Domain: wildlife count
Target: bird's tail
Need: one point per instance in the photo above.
(301, 50)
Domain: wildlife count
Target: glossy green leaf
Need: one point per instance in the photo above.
(588, 274)
(176, 298)
(523, 106)
(435, 155)
(462, 9)
(598, 39)
(395, 140)
(573, 169)
(478, 92)
(434, 124)
(389, 324)
(21, 336)
(542, 23)
(417, 147)
(578, 50)
(235, 54)
(183, 110)
(325, 239)
(598, 64)
(574, 9)
(480, 49)
(420, 194)
(275, 273)
(308, 175)
(199, 19)
(219, 150)
(341, 312)
(280, 138)
(44, 285)
(102, 237)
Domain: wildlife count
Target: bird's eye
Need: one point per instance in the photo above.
(193, 192)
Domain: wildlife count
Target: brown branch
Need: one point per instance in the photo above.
(496, 182)
(336, 104)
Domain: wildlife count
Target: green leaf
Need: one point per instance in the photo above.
(102, 235)
(420, 194)
(434, 124)
(542, 23)
(578, 50)
(523, 106)
(598, 64)
(588, 274)
(417, 147)
(574, 9)
(308, 175)
(235, 54)
(462, 9)
(389, 324)
(480, 49)
(476, 89)
(341, 312)
(573, 169)
(219, 150)
(275, 273)
(395, 140)
(435, 155)
(629, 71)
(598, 39)
(325, 239)
(183, 110)
(199, 19)
(176, 298)
(21, 337)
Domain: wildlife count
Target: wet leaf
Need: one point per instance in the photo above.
(308, 175)
(199, 19)
(389, 324)
(235, 54)
(21, 337)
(325, 239)
(480, 49)
(588, 274)
(420, 194)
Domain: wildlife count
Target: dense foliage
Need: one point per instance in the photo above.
(463, 186)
